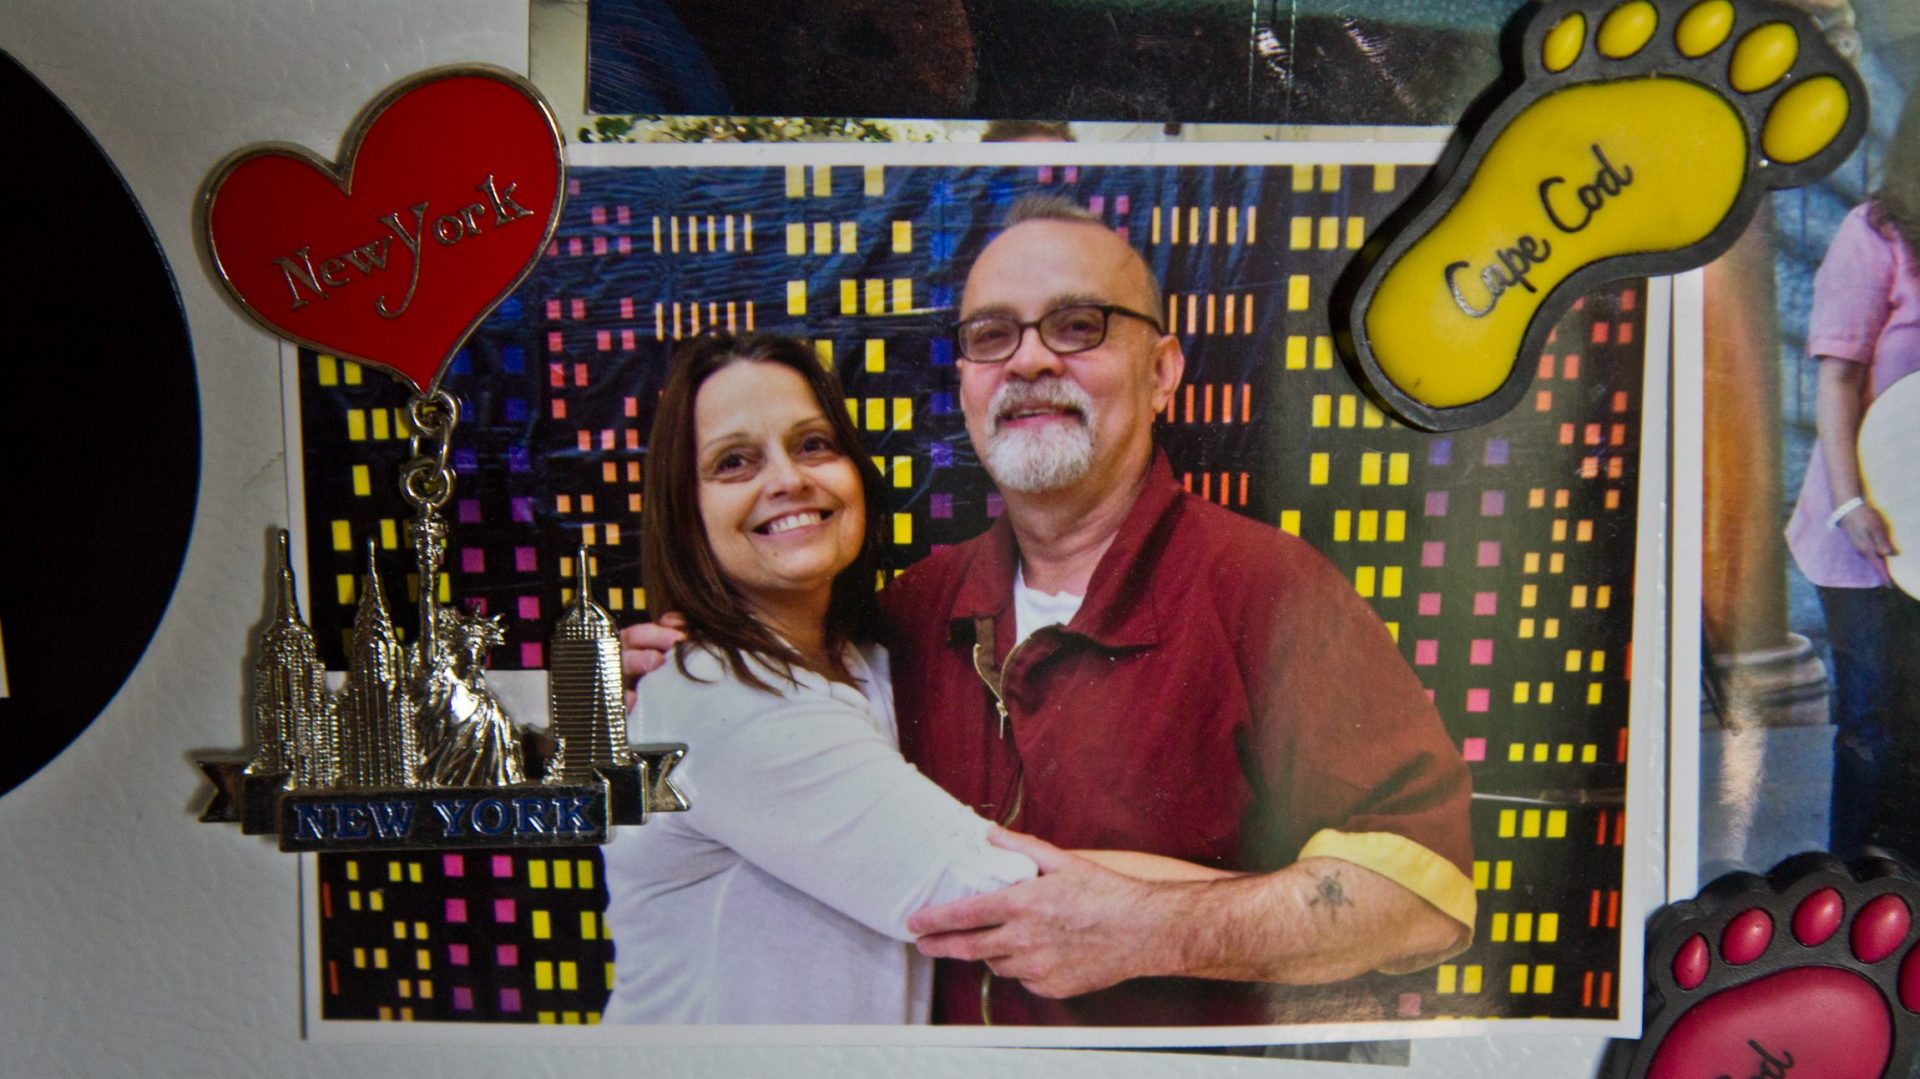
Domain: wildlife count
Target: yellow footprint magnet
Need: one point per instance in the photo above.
(1639, 140)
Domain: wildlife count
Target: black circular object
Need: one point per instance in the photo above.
(99, 430)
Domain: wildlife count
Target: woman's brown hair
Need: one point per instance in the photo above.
(1896, 203)
(676, 561)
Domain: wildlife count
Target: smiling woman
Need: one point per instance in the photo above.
(782, 895)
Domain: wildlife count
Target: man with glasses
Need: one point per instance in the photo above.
(1117, 663)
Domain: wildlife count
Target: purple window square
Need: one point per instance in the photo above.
(507, 955)
(940, 507)
(509, 1000)
(1496, 451)
(1440, 452)
(518, 459)
(473, 560)
(524, 560)
(460, 955)
(1493, 503)
(1436, 503)
(469, 510)
(1489, 554)
(462, 998)
(523, 511)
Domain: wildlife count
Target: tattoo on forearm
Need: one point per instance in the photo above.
(1329, 894)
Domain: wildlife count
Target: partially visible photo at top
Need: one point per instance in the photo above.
(1285, 62)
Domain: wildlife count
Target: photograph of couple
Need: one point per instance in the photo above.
(1059, 637)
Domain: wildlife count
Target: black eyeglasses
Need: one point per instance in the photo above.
(1065, 330)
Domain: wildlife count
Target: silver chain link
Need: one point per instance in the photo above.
(425, 480)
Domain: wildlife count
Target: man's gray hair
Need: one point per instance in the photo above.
(1047, 206)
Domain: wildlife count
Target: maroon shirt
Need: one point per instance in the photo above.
(1221, 696)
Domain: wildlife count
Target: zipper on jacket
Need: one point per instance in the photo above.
(993, 677)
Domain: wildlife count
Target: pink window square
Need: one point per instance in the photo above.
(456, 910)
(553, 310)
(1429, 603)
(1409, 1005)
(528, 607)
(453, 865)
(524, 560)
(532, 655)
(1436, 503)
(1493, 503)
(459, 954)
(503, 910)
(1477, 699)
(507, 955)
(1433, 553)
(503, 865)
(1474, 749)
(462, 998)
(1426, 652)
(1489, 553)
(1480, 653)
(473, 560)
(1486, 603)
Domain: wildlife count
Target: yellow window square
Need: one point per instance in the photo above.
(1471, 982)
(543, 974)
(1356, 233)
(1589, 753)
(796, 297)
(796, 238)
(1397, 469)
(876, 414)
(823, 238)
(1303, 177)
(1579, 597)
(1557, 824)
(1546, 693)
(563, 873)
(583, 868)
(1300, 233)
(536, 873)
(903, 529)
(542, 922)
(822, 181)
(849, 297)
(1317, 469)
(849, 238)
(1342, 525)
(1516, 752)
(1390, 582)
(876, 296)
(903, 413)
(1297, 357)
(1563, 754)
(1383, 177)
(1539, 753)
(1290, 522)
(903, 294)
(1523, 927)
(1549, 931)
(1497, 929)
(902, 237)
(1348, 409)
(1543, 979)
(1329, 233)
(342, 536)
(1396, 526)
(1502, 875)
(1329, 177)
(1363, 581)
(1446, 980)
(902, 472)
(1322, 352)
(362, 481)
(1322, 404)
(1297, 292)
(356, 425)
(1593, 693)
(1522, 692)
(874, 181)
(1369, 469)
(381, 420)
(1480, 876)
(1509, 820)
(796, 181)
(589, 925)
(1369, 525)
(1517, 979)
(570, 976)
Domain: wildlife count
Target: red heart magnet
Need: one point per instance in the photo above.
(448, 189)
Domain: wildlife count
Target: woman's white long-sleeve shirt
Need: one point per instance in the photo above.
(782, 895)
